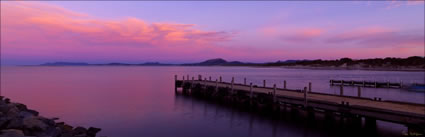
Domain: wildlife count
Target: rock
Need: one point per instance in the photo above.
(35, 113)
(12, 133)
(12, 111)
(15, 123)
(21, 107)
(7, 100)
(92, 131)
(64, 127)
(34, 123)
(50, 132)
(49, 122)
(80, 131)
(24, 114)
(16, 120)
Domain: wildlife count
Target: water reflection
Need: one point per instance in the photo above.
(242, 122)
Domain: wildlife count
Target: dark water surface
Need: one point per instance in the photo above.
(140, 101)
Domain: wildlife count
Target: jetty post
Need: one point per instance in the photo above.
(264, 83)
(332, 82)
(251, 93)
(309, 87)
(388, 84)
(175, 83)
(359, 92)
(341, 90)
(364, 83)
(284, 84)
(210, 78)
(216, 85)
(220, 79)
(233, 80)
(199, 77)
(376, 84)
(274, 93)
(244, 81)
(305, 96)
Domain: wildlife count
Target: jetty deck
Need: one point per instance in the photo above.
(409, 114)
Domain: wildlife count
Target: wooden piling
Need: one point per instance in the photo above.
(216, 85)
(250, 91)
(309, 87)
(199, 77)
(376, 85)
(332, 82)
(264, 83)
(284, 84)
(231, 86)
(341, 91)
(274, 93)
(305, 96)
(359, 92)
(210, 78)
(244, 81)
(175, 83)
(220, 79)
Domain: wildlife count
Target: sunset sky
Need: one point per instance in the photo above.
(185, 32)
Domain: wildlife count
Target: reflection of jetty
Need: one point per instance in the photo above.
(275, 99)
(373, 84)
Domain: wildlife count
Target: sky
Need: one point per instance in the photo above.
(193, 31)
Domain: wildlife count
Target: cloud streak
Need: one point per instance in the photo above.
(379, 37)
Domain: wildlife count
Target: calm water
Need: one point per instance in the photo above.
(140, 101)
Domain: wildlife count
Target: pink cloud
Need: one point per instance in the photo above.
(55, 21)
(37, 30)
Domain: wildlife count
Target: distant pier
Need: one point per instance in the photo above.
(276, 99)
(373, 84)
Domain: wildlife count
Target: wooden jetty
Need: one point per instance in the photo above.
(373, 84)
(409, 114)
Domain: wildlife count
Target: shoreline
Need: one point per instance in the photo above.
(286, 67)
(16, 120)
(352, 68)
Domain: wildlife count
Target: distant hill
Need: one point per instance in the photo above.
(217, 62)
(107, 64)
(65, 64)
(410, 63)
